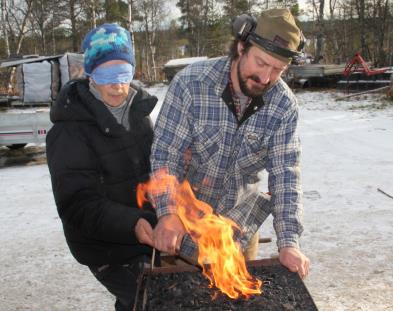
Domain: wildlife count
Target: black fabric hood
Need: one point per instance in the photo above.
(76, 103)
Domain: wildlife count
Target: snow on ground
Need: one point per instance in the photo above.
(347, 156)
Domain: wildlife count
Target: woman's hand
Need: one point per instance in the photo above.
(144, 232)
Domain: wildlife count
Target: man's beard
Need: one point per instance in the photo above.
(250, 92)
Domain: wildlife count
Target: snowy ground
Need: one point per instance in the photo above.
(347, 156)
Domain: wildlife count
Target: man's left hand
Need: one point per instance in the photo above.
(295, 261)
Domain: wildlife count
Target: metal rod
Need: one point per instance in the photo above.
(147, 283)
(191, 268)
(153, 258)
(388, 195)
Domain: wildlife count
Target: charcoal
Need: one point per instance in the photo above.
(282, 290)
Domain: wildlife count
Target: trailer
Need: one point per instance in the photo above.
(173, 66)
(311, 75)
(18, 127)
(24, 118)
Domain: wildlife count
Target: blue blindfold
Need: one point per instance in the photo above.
(120, 73)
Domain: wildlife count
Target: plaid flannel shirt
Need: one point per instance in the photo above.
(227, 155)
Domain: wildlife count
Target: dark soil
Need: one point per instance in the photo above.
(29, 155)
(282, 291)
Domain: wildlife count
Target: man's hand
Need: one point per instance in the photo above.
(144, 232)
(295, 261)
(168, 234)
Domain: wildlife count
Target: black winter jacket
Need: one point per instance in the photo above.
(95, 166)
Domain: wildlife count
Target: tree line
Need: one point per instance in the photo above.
(335, 29)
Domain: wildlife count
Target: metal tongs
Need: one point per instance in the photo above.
(145, 282)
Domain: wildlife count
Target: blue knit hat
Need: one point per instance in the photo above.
(104, 43)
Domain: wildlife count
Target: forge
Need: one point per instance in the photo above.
(185, 288)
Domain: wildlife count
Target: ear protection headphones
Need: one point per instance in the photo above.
(243, 27)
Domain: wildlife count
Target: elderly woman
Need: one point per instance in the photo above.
(98, 151)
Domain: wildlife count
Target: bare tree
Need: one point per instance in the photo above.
(361, 11)
(93, 13)
(18, 19)
(17, 22)
(4, 26)
(198, 22)
(41, 16)
(89, 12)
(152, 13)
(333, 33)
(130, 24)
(73, 16)
(379, 25)
(319, 7)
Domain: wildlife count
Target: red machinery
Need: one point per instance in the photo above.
(357, 64)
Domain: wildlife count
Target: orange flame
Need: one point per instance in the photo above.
(226, 268)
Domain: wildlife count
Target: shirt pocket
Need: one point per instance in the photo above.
(252, 154)
(207, 142)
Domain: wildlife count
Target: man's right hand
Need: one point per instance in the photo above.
(168, 234)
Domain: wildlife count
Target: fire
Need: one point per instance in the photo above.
(226, 268)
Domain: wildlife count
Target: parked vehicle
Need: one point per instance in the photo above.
(25, 118)
(18, 127)
(173, 66)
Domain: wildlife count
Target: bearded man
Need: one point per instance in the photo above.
(223, 121)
